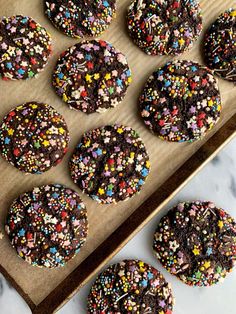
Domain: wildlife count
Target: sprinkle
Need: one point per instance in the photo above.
(196, 251)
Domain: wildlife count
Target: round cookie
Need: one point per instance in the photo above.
(25, 47)
(196, 241)
(181, 101)
(110, 164)
(220, 45)
(79, 18)
(92, 76)
(33, 137)
(130, 286)
(47, 226)
(164, 27)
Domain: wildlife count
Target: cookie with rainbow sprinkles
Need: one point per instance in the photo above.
(34, 137)
(181, 101)
(92, 76)
(164, 27)
(25, 47)
(220, 45)
(110, 163)
(48, 225)
(80, 18)
(196, 241)
(130, 286)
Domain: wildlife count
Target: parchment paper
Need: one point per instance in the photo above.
(165, 157)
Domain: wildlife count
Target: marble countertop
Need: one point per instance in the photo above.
(216, 182)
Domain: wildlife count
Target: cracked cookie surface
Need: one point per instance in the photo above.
(48, 225)
(80, 18)
(92, 76)
(130, 286)
(164, 27)
(181, 101)
(196, 241)
(25, 47)
(33, 137)
(110, 163)
(220, 45)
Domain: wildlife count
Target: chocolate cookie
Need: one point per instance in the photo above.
(130, 286)
(79, 18)
(181, 101)
(92, 76)
(33, 137)
(48, 225)
(25, 47)
(166, 27)
(110, 163)
(220, 45)
(197, 243)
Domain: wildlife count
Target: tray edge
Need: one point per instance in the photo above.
(21, 292)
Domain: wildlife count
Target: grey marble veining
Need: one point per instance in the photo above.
(216, 182)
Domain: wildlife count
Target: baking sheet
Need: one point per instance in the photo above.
(165, 157)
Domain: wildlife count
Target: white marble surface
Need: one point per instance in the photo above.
(216, 182)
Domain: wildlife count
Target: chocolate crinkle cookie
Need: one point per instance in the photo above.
(220, 45)
(196, 241)
(33, 137)
(110, 164)
(130, 286)
(92, 76)
(164, 27)
(25, 47)
(181, 101)
(48, 225)
(80, 18)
